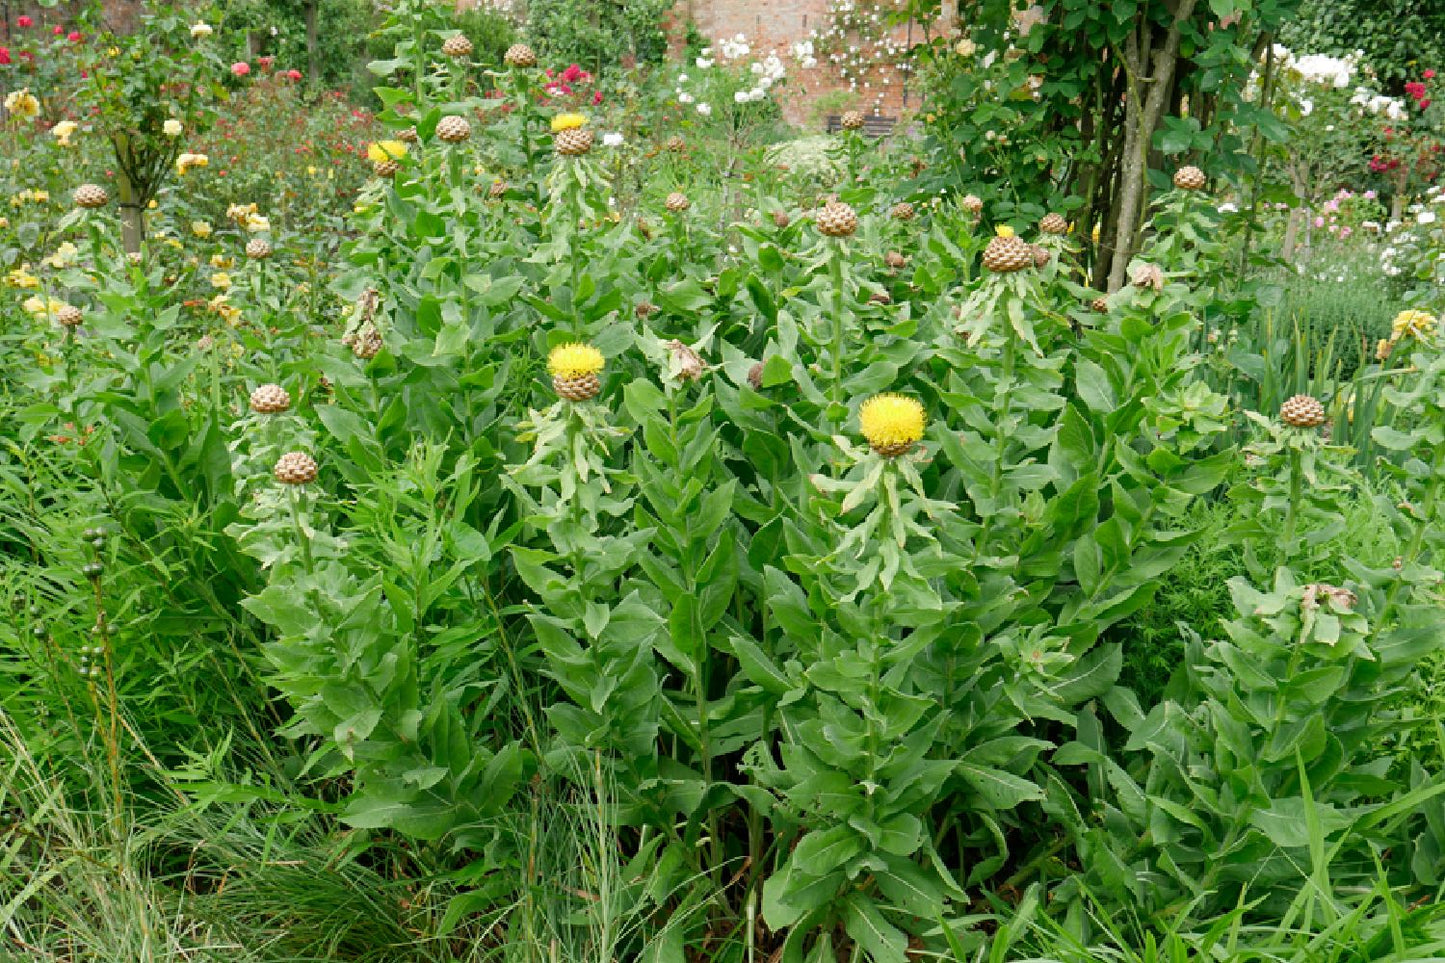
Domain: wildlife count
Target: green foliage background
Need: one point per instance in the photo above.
(1400, 38)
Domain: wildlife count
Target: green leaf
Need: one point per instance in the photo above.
(824, 851)
(1286, 825)
(1002, 790)
(880, 939)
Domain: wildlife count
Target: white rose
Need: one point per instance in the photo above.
(612, 140)
(704, 109)
(740, 97)
(172, 128)
(200, 31)
(685, 98)
(1425, 217)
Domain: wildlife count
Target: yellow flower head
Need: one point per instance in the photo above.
(1003, 230)
(567, 122)
(22, 103)
(47, 308)
(255, 223)
(22, 278)
(221, 262)
(219, 305)
(384, 150)
(574, 360)
(200, 229)
(62, 131)
(1412, 324)
(892, 423)
(64, 256)
(188, 162)
(1094, 234)
(221, 280)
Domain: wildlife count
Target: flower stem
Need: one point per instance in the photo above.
(1291, 518)
(835, 266)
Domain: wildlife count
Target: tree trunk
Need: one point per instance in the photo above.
(1300, 185)
(313, 42)
(1141, 117)
(132, 214)
(1291, 233)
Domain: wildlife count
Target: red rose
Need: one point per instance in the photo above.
(73, 36)
(293, 74)
(1424, 103)
(1428, 75)
(4, 56)
(265, 62)
(58, 30)
(240, 68)
(24, 21)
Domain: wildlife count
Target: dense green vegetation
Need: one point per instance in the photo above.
(523, 510)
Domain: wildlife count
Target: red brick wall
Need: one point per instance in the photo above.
(117, 15)
(774, 25)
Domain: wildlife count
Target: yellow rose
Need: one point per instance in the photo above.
(62, 131)
(188, 162)
(22, 103)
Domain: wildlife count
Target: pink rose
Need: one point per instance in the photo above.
(1319, 222)
(73, 36)
(240, 68)
(293, 74)
(58, 30)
